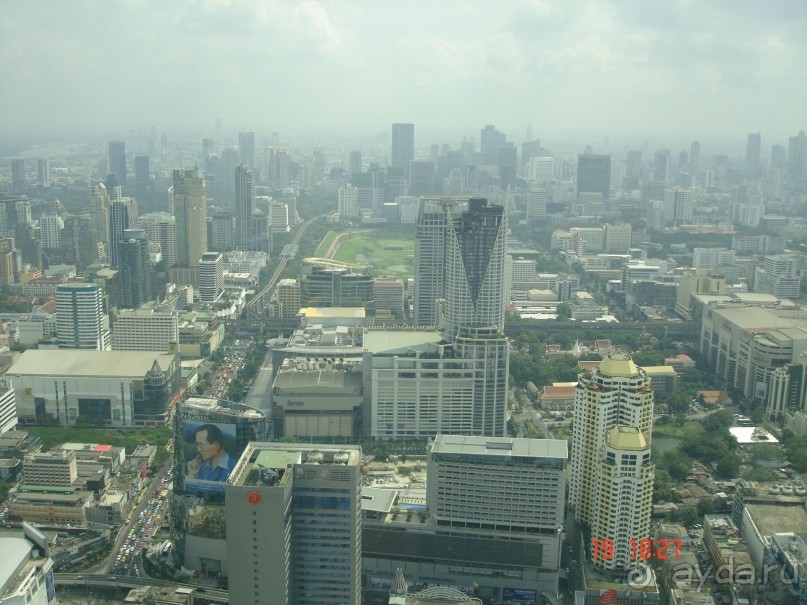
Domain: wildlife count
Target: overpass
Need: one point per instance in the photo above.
(212, 595)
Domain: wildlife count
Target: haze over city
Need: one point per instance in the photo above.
(620, 69)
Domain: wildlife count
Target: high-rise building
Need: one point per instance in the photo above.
(421, 178)
(246, 149)
(529, 150)
(594, 174)
(8, 267)
(507, 164)
(679, 206)
(616, 395)
(122, 215)
(661, 166)
(536, 206)
(294, 524)
(694, 157)
(117, 160)
(489, 142)
(329, 283)
(161, 229)
(797, 156)
(617, 238)
(97, 206)
(207, 151)
(289, 197)
(224, 178)
(136, 273)
(17, 174)
(43, 172)
(403, 146)
(190, 209)
(474, 267)
(211, 277)
(287, 295)
(50, 231)
(354, 162)
(79, 244)
(198, 520)
(142, 174)
(80, 319)
(348, 203)
(244, 205)
(430, 256)
(222, 232)
(147, 329)
(753, 168)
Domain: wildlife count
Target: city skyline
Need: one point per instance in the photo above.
(664, 72)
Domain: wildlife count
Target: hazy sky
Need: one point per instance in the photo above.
(693, 68)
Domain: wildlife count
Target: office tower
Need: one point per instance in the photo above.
(623, 494)
(507, 164)
(430, 256)
(289, 198)
(153, 328)
(17, 174)
(594, 175)
(616, 394)
(797, 156)
(541, 171)
(190, 209)
(354, 162)
(468, 149)
(43, 171)
(117, 160)
(142, 174)
(244, 205)
(536, 206)
(224, 178)
(161, 229)
(421, 178)
(79, 243)
(489, 142)
(661, 166)
(7, 263)
(133, 255)
(222, 232)
(113, 187)
(403, 146)
(617, 238)
(348, 203)
(633, 168)
(679, 204)
(780, 275)
(329, 283)
(246, 149)
(294, 525)
(198, 515)
(50, 231)
(80, 319)
(211, 277)
(530, 150)
(288, 299)
(261, 233)
(282, 177)
(122, 215)
(753, 147)
(97, 206)
(694, 157)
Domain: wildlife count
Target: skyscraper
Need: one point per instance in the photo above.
(536, 205)
(190, 210)
(79, 243)
(246, 148)
(80, 319)
(43, 171)
(133, 254)
(294, 525)
(753, 169)
(211, 277)
(506, 162)
(122, 216)
(489, 143)
(474, 267)
(117, 160)
(614, 412)
(403, 146)
(661, 166)
(161, 228)
(142, 175)
(348, 203)
(694, 157)
(50, 231)
(421, 178)
(679, 205)
(244, 205)
(594, 174)
(354, 162)
(17, 174)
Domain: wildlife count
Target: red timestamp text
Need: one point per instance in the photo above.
(639, 549)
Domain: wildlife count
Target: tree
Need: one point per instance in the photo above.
(564, 311)
(649, 358)
(706, 506)
(677, 464)
(728, 467)
(678, 404)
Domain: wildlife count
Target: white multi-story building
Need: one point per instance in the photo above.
(80, 320)
(780, 275)
(712, 258)
(293, 515)
(50, 231)
(161, 229)
(623, 497)
(287, 295)
(279, 217)
(593, 237)
(8, 409)
(348, 203)
(55, 469)
(541, 169)
(679, 205)
(408, 207)
(211, 277)
(145, 329)
(617, 393)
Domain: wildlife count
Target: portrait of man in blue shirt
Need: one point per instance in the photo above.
(213, 463)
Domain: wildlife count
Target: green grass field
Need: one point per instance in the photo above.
(368, 248)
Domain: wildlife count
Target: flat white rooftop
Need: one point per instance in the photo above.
(66, 362)
(500, 446)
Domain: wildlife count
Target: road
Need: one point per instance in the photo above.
(258, 397)
(128, 582)
(252, 307)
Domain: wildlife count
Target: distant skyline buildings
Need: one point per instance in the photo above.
(117, 160)
(403, 146)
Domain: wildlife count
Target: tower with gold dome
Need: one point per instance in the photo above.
(612, 432)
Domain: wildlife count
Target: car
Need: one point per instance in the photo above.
(113, 578)
(167, 584)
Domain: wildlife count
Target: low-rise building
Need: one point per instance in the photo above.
(26, 576)
(49, 507)
(663, 379)
(109, 509)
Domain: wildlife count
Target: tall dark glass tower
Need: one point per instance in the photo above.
(403, 146)
(594, 174)
(133, 252)
(244, 205)
(117, 160)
